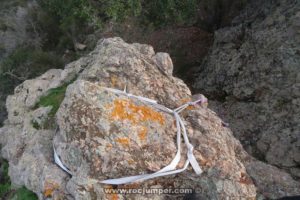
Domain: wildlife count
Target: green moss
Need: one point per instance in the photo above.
(24, 194)
(54, 98)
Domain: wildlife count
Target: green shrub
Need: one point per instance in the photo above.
(72, 16)
(118, 10)
(25, 63)
(4, 178)
(30, 61)
(166, 12)
(4, 189)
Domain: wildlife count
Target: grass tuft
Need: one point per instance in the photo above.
(24, 194)
(53, 99)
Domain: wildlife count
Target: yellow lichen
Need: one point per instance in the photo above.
(113, 80)
(123, 141)
(143, 133)
(108, 146)
(185, 100)
(114, 197)
(49, 188)
(131, 161)
(124, 109)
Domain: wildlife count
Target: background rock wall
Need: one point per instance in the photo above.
(252, 76)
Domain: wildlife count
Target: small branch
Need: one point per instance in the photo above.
(15, 76)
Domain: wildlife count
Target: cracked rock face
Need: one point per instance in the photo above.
(253, 76)
(103, 135)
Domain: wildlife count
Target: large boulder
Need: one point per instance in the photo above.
(103, 135)
(252, 78)
(99, 134)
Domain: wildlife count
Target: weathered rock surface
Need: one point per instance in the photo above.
(99, 139)
(102, 135)
(253, 76)
(117, 136)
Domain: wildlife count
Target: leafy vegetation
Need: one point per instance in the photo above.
(4, 178)
(167, 12)
(96, 12)
(24, 194)
(6, 190)
(62, 24)
(25, 63)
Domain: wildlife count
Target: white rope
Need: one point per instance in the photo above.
(59, 163)
(169, 169)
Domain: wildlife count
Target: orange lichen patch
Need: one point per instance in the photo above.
(123, 141)
(245, 179)
(191, 108)
(131, 161)
(143, 133)
(124, 109)
(108, 186)
(185, 100)
(130, 186)
(108, 146)
(113, 80)
(49, 188)
(112, 196)
(203, 162)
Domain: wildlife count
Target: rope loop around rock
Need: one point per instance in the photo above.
(169, 169)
